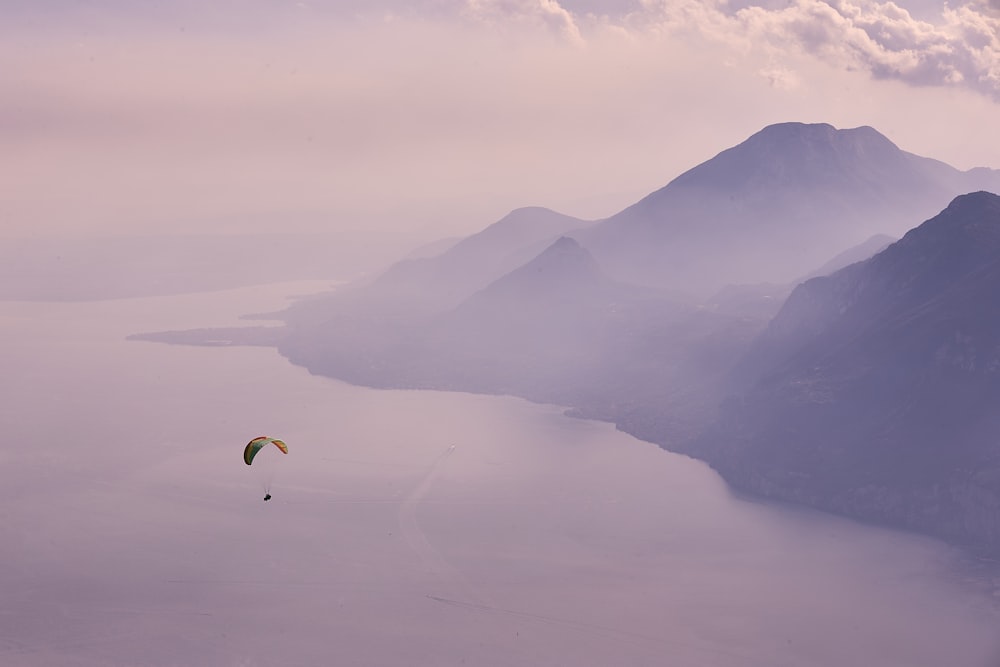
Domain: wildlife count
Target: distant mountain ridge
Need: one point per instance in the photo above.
(416, 288)
(476, 260)
(774, 207)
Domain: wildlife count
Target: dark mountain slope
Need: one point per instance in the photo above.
(876, 390)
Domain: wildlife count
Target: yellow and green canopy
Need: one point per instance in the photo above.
(257, 444)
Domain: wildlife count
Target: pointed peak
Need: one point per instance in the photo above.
(564, 252)
(564, 257)
(565, 244)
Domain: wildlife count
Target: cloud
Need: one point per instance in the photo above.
(545, 12)
(447, 113)
(955, 46)
(888, 42)
(884, 39)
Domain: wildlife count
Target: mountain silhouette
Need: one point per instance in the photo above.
(775, 207)
(875, 391)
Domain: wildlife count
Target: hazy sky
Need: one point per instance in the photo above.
(442, 115)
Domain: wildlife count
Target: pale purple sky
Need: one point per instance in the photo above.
(438, 116)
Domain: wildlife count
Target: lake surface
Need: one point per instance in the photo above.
(406, 528)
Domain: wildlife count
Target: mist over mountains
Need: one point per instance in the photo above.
(869, 392)
(443, 280)
(556, 329)
(773, 209)
(98, 268)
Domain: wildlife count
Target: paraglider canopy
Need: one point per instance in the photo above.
(259, 443)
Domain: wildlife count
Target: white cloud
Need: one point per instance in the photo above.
(881, 38)
(544, 12)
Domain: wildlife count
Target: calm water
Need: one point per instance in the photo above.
(406, 528)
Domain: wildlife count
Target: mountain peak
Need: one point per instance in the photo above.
(959, 241)
(565, 270)
(943, 256)
(972, 220)
(873, 392)
(521, 228)
(526, 219)
(796, 154)
(784, 132)
(775, 207)
(564, 244)
(975, 203)
(819, 133)
(564, 259)
(526, 211)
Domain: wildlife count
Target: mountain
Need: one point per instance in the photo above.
(417, 287)
(525, 323)
(556, 310)
(562, 275)
(875, 391)
(762, 300)
(533, 330)
(433, 249)
(775, 207)
(556, 329)
(858, 253)
(476, 260)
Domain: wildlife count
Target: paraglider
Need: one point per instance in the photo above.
(253, 448)
(259, 443)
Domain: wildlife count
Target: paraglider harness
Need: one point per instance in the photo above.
(267, 496)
